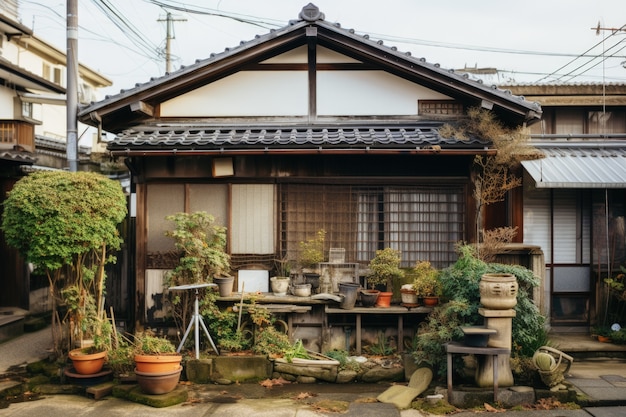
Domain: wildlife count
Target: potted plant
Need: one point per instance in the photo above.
(280, 282)
(71, 247)
(157, 364)
(311, 254)
(426, 283)
(384, 269)
(89, 358)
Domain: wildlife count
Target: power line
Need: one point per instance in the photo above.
(578, 57)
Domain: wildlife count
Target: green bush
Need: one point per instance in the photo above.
(460, 284)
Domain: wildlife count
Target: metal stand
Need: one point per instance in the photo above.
(196, 321)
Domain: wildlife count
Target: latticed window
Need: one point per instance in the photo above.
(423, 221)
(17, 133)
(440, 107)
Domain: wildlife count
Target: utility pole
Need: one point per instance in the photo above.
(71, 91)
(169, 36)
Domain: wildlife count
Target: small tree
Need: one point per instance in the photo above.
(65, 223)
(385, 267)
(202, 247)
(493, 175)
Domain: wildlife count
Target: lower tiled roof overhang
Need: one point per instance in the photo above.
(194, 140)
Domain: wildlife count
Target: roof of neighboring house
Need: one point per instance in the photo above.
(582, 163)
(17, 156)
(210, 140)
(572, 94)
(135, 106)
(19, 77)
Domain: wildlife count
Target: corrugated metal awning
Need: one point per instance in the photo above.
(579, 167)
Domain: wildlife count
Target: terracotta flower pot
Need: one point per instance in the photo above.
(87, 363)
(430, 301)
(158, 363)
(384, 299)
(158, 383)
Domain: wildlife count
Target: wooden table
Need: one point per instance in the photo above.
(398, 311)
(455, 347)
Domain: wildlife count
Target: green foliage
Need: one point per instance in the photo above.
(426, 279)
(312, 250)
(460, 284)
(381, 347)
(343, 357)
(203, 248)
(296, 350)
(618, 337)
(385, 267)
(121, 358)
(66, 224)
(223, 324)
(441, 326)
(54, 217)
(271, 342)
(147, 344)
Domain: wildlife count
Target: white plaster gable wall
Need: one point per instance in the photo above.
(246, 93)
(285, 93)
(363, 93)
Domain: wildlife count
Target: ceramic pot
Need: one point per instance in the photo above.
(225, 285)
(384, 299)
(498, 291)
(350, 293)
(158, 383)
(87, 363)
(302, 290)
(408, 296)
(369, 297)
(280, 285)
(158, 363)
(313, 279)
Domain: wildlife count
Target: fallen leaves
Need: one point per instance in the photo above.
(269, 383)
(491, 409)
(304, 396)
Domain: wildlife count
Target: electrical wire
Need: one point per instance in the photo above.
(579, 56)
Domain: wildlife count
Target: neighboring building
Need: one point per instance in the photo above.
(575, 198)
(32, 129)
(307, 127)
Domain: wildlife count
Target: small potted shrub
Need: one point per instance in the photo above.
(157, 364)
(384, 269)
(426, 283)
(311, 254)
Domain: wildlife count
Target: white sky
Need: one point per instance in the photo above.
(551, 34)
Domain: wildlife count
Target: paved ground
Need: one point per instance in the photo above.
(602, 379)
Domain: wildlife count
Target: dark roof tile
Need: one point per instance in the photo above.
(379, 137)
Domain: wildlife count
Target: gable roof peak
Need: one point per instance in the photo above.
(311, 13)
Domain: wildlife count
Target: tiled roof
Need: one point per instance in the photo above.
(191, 138)
(113, 113)
(17, 156)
